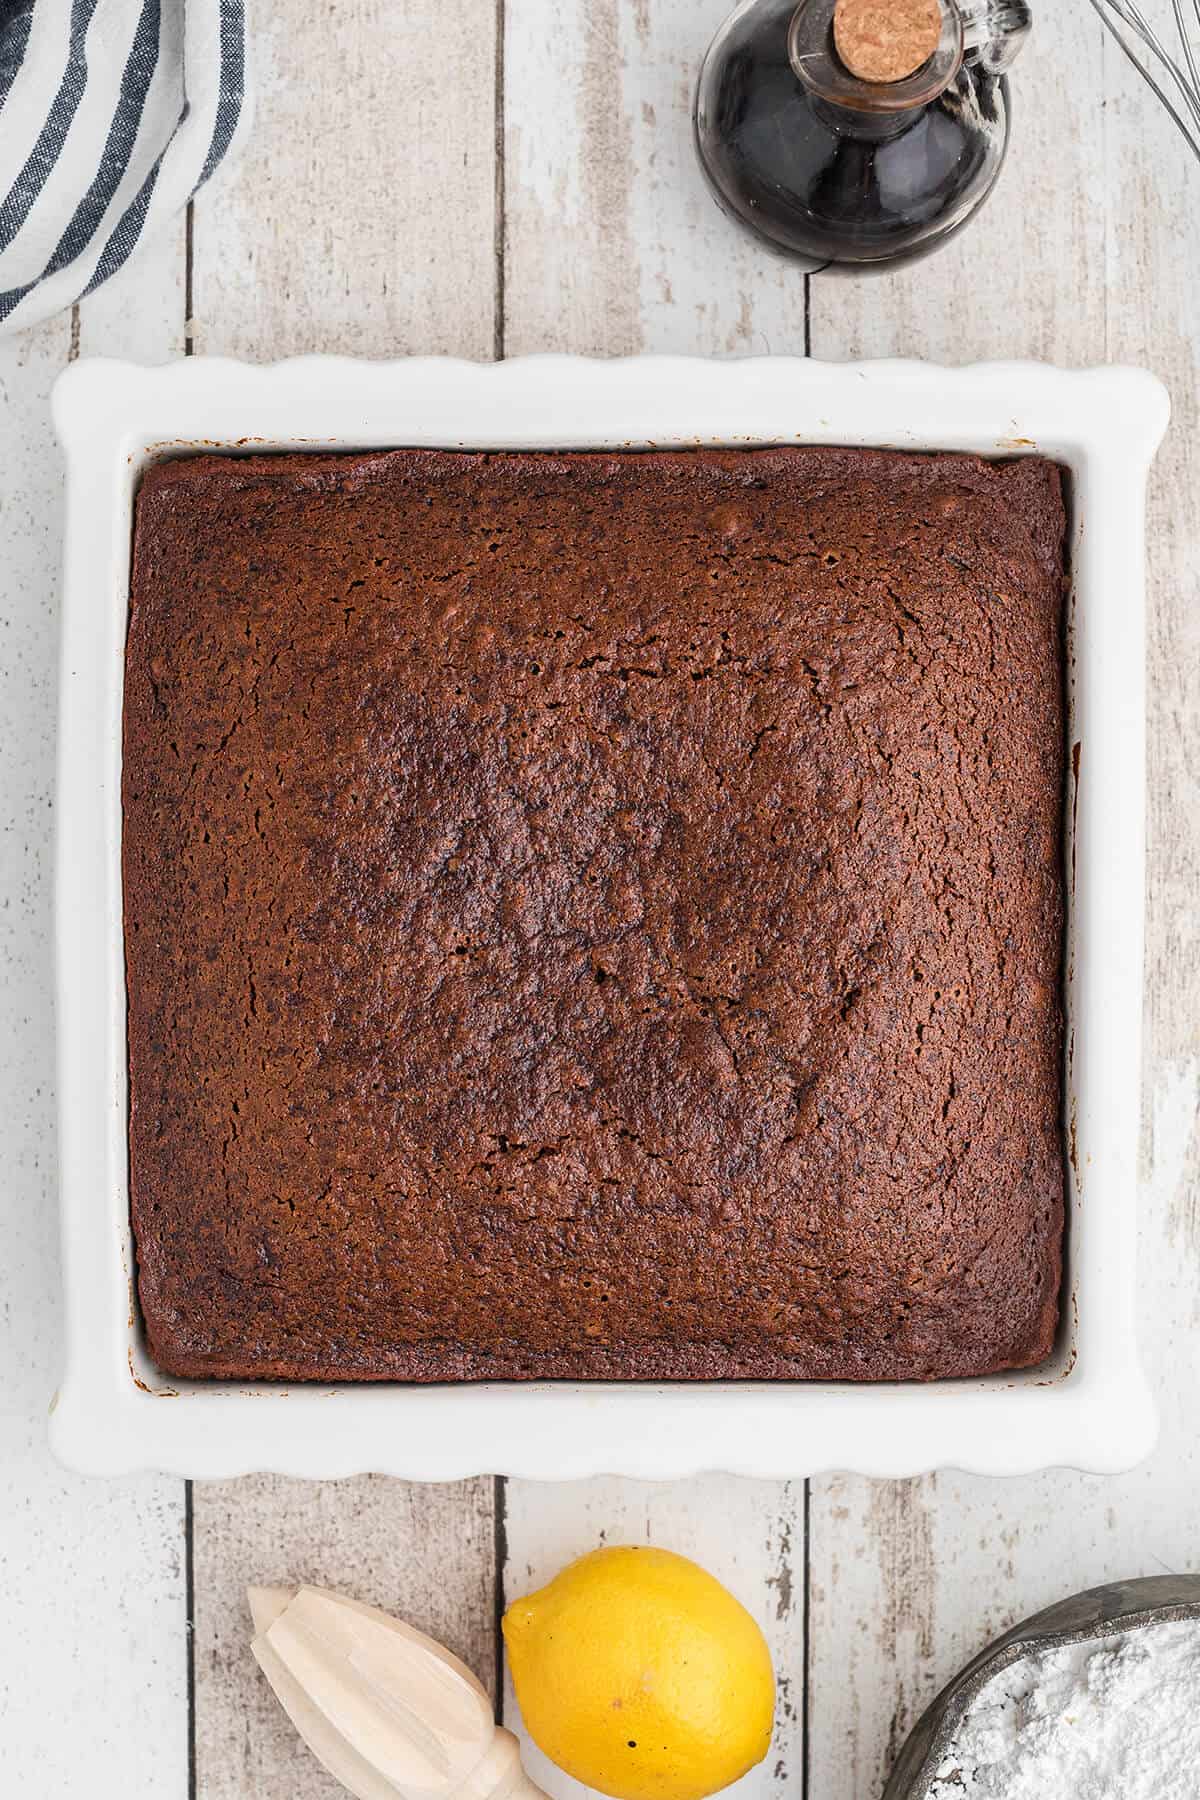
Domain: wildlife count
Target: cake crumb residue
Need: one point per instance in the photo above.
(1115, 1718)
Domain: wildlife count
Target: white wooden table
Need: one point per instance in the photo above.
(491, 178)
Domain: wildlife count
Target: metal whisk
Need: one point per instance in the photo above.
(1175, 78)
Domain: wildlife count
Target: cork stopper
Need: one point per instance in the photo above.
(886, 40)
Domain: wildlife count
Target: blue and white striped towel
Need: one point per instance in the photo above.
(112, 114)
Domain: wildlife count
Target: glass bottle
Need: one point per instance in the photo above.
(845, 173)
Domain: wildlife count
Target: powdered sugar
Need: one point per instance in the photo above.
(1114, 1718)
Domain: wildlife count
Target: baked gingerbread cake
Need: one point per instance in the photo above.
(596, 915)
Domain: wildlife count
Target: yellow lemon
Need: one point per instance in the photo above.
(639, 1674)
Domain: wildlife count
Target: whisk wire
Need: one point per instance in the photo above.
(1122, 16)
(1189, 55)
(1189, 92)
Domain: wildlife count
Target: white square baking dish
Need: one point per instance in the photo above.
(1090, 1406)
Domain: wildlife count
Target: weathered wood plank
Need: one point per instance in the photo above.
(359, 219)
(425, 1553)
(93, 1574)
(750, 1534)
(613, 243)
(1084, 254)
(613, 247)
(360, 216)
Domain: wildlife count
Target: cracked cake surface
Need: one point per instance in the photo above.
(595, 915)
